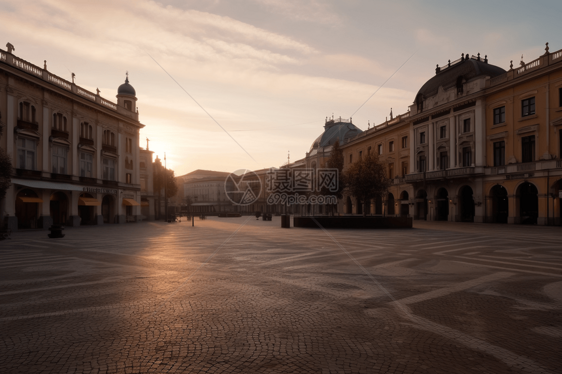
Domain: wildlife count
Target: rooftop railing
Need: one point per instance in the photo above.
(45, 75)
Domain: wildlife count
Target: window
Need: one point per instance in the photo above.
(143, 183)
(27, 149)
(86, 162)
(404, 169)
(499, 153)
(108, 138)
(466, 125)
(404, 142)
(27, 112)
(369, 151)
(422, 137)
(499, 115)
(128, 145)
(466, 156)
(528, 107)
(350, 159)
(380, 149)
(128, 104)
(360, 155)
(391, 171)
(59, 122)
(391, 147)
(443, 132)
(528, 148)
(86, 131)
(443, 160)
(58, 159)
(108, 169)
(129, 178)
(421, 164)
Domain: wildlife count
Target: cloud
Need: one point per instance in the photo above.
(303, 10)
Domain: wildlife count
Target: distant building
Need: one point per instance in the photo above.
(75, 154)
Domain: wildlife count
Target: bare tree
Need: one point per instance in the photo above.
(367, 179)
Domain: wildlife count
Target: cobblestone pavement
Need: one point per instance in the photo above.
(236, 295)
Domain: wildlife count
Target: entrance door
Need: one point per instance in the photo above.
(467, 204)
(106, 205)
(528, 203)
(59, 208)
(442, 205)
(500, 204)
(27, 209)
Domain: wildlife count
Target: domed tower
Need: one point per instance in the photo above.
(126, 96)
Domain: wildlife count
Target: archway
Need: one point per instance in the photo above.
(390, 202)
(59, 208)
(378, 204)
(87, 209)
(466, 204)
(107, 209)
(421, 204)
(368, 207)
(500, 204)
(404, 204)
(27, 209)
(528, 203)
(442, 199)
(359, 206)
(348, 206)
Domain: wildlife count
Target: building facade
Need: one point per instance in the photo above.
(75, 154)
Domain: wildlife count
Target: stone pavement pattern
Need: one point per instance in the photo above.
(236, 295)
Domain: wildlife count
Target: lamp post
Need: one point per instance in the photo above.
(165, 189)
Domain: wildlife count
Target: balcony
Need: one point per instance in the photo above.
(26, 125)
(28, 173)
(109, 148)
(88, 180)
(59, 134)
(442, 174)
(86, 141)
(63, 177)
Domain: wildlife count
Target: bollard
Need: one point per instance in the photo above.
(286, 221)
(56, 231)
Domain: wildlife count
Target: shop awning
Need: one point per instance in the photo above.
(145, 203)
(30, 199)
(130, 202)
(88, 201)
(47, 185)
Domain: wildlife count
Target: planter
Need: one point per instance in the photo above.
(56, 231)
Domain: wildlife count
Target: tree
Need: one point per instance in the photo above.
(163, 175)
(5, 181)
(367, 179)
(335, 162)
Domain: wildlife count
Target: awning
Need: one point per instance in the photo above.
(30, 199)
(47, 185)
(145, 203)
(88, 201)
(130, 202)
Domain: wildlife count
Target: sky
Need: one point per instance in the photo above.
(268, 71)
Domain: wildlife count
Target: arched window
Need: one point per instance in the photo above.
(108, 137)
(27, 112)
(86, 130)
(59, 122)
(128, 105)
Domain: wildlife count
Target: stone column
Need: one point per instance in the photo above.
(542, 218)
(513, 214)
(453, 142)
(10, 124)
(74, 153)
(10, 209)
(430, 150)
(45, 219)
(99, 217)
(479, 135)
(45, 142)
(74, 218)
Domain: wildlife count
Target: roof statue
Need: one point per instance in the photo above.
(10, 47)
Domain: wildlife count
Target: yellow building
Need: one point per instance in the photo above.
(523, 150)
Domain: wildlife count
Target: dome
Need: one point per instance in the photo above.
(335, 131)
(126, 89)
(466, 69)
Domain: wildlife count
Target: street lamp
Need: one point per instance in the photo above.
(165, 188)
